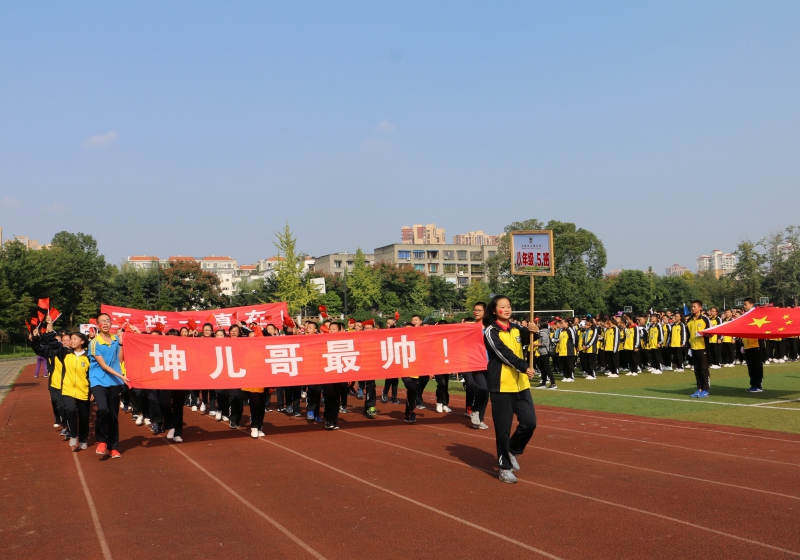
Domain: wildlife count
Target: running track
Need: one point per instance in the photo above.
(593, 485)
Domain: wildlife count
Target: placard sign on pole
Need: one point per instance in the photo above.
(532, 255)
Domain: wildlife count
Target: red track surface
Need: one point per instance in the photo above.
(593, 485)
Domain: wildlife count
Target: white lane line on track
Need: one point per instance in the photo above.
(599, 500)
(663, 425)
(690, 402)
(583, 432)
(415, 502)
(693, 478)
(98, 529)
(302, 544)
(778, 402)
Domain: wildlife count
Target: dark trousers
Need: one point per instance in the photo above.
(345, 388)
(236, 402)
(333, 396)
(654, 357)
(57, 417)
(256, 409)
(755, 366)
(701, 373)
(567, 366)
(442, 388)
(728, 352)
(314, 396)
(391, 384)
(77, 418)
(612, 361)
(635, 357)
(545, 369)
(106, 426)
(504, 407)
(677, 357)
(588, 363)
(369, 394)
(412, 389)
(422, 382)
(172, 409)
(476, 382)
(715, 353)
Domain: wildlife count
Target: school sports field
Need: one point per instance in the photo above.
(671, 480)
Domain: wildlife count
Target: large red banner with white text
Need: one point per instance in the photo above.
(173, 362)
(263, 314)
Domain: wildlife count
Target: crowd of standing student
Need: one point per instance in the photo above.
(85, 369)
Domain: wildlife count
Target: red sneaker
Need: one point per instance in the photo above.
(469, 410)
(101, 448)
(115, 454)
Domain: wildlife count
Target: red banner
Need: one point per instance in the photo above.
(761, 322)
(262, 314)
(173, 362)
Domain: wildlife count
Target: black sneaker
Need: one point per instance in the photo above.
(552, 386)
(395, 400)
(371, 412)
(156, 428)
(384, 398)
(233, 425)
(411, 418)
(541, 385)
(329, 426)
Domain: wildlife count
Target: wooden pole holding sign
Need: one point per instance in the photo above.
(532, 255)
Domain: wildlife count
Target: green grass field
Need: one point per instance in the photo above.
(777, 408)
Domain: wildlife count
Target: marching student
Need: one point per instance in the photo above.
(333, 392)
(565, 348)
(544, 348)
(105, 375)
(631, 347)
(390, 385)
(422, 380)
(509, 384)
(478, 395)
(442, 387)
(314, 393)
(611, 340)
(369, 386)
(654, 342)
(171, 402)
(714, 343)
(678, 335)
(752, 355)
(588, 343)
(666, 351)
(75, 391)
(699, 346)
(728, 343)
(53, 347)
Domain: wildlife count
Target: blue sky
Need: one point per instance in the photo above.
(197, 128)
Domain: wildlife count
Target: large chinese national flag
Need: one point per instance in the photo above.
(761, 322)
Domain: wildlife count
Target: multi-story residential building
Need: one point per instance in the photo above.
(455, 263)
(267, 266)
(476, 238)
(337, 263)
(31, 244)
(422, 235)
(717, 262)
(144, 262)
(675, 270)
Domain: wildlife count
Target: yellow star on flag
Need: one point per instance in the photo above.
(780, 329)
(785, 316)
(788, 322)
(760, 322)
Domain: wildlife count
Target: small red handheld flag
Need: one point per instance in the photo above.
(192, 324)
(44, 303)
(396, 315)
(288, 322)
(28, 325)
(323, 311)
(92, 321)
(41, 316)
(54, 314)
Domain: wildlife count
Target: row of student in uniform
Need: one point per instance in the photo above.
(101, 377)
(655, 343)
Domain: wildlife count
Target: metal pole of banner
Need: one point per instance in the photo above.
(531, 329)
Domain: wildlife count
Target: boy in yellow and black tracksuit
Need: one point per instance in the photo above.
(655, 339)
(678, 334)
(75, 390)
(611, 340)
(509, 389)
(699, 346)
(565, 348)
(588, 349)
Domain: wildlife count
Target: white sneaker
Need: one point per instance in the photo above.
(194, 409)
(203, 407)
(634, 374)
(629, 373)
(483, 426)
(713, 367)
(656, 372)
(475, 417)
(254, 432)
(73, 442)
(147, 422)
(139, 420)
(218, 416)
(121, 404)
(260, 433)
(446, 408)
(56, 425)
(439, 407)
(568, 380)
(178, 439)
(612, 375)
(679, 370)
(225, 419)
(171, 433)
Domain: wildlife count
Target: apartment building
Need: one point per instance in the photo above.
(422, 235)
(717, 262)
(476, 238)
(337, 263)
(675, 270)
(457, 264)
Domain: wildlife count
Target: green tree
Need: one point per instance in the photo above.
(363, 284)
(290, 282)
(332, 301)
(14, 310)
(475, 292)
(747, 275)
(87, 308)
(443, 294)
(579, 261)
(671, 292)
(186, 286)
(389, 303)
(631, 288)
